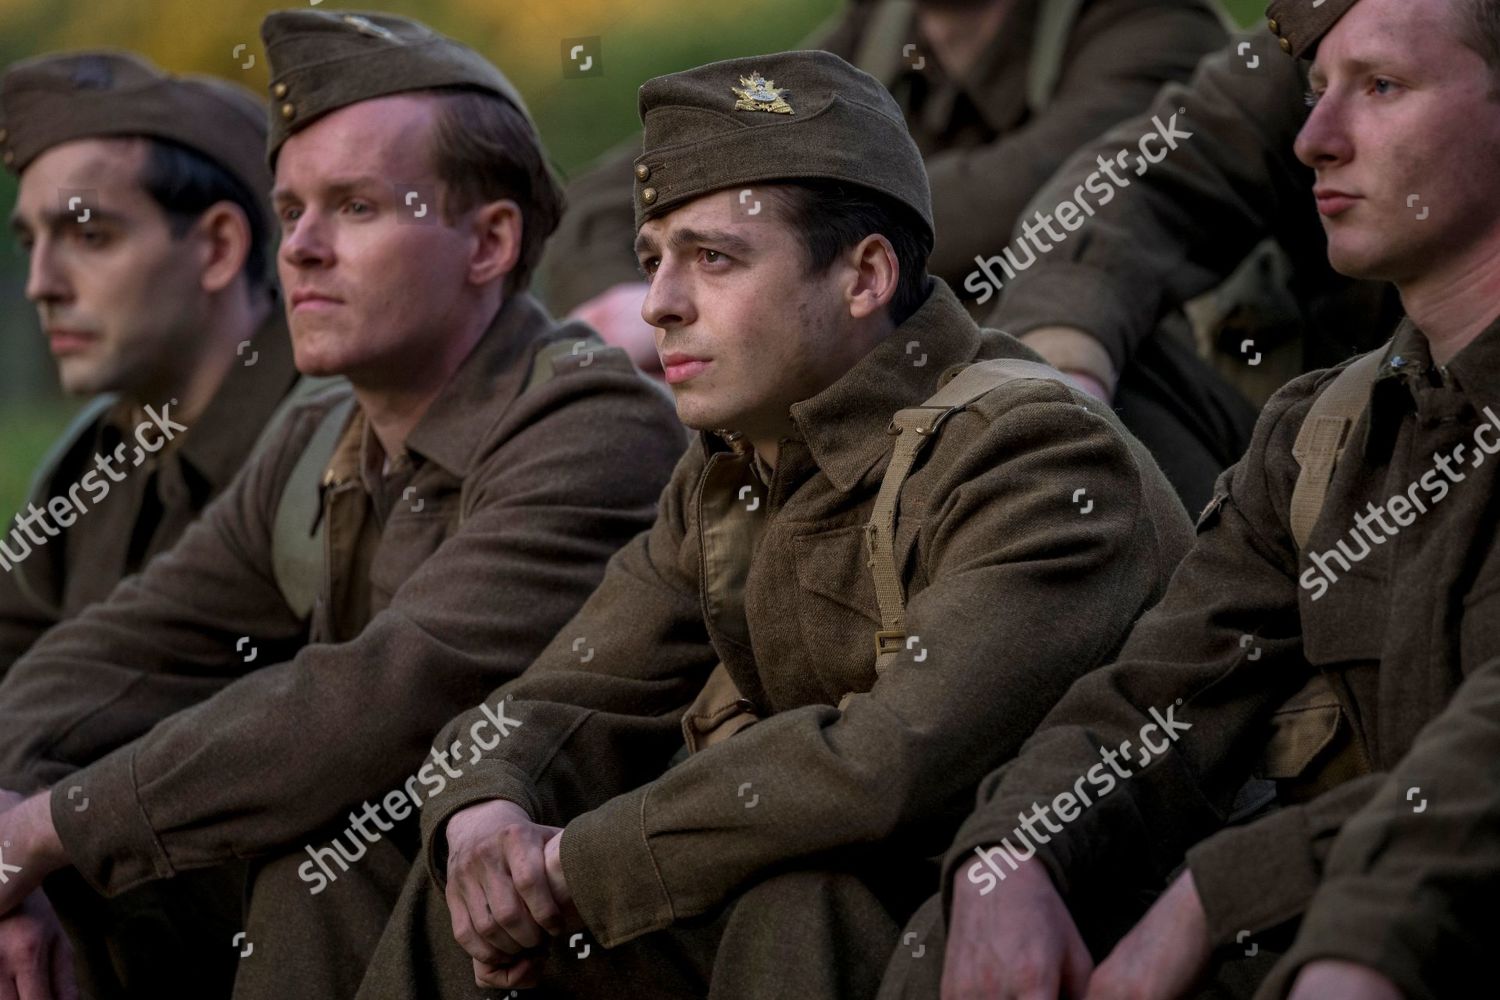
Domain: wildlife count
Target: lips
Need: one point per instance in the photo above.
(677, 367)
(1332, 202)
(313, 299)
(64, 342)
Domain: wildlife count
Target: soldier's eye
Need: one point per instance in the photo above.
(712, 256)
(649, 265)
(1310, 98)
(1382, 85)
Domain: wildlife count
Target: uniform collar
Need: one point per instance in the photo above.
(482, 388)
(1407, 368)
(845, 427)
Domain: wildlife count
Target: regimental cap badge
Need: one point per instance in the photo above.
(760, 94)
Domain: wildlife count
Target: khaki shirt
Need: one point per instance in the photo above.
(986, 152)
(1240, 631)
(1012, 591)
(144, 513)
(203, 722)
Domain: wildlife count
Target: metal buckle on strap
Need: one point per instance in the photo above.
(889, 641)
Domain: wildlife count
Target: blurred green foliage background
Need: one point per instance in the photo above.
(579, 117)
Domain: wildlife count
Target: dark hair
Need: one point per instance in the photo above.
(1479, 29)
(484, 149)
(832, 216)
(185, 183)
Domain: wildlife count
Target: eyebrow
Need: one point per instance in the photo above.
(62, 217)
(683, 238)
(336, 186)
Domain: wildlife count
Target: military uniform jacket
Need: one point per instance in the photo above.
(155, 499)
(1394, 624)
(192, 709)
(987, 151)
(1187, 222)
(1012, 590)
(1404, 878)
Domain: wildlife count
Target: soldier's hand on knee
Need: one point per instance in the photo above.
(1331, 979)
(36, 958)
(498, 893)
(1017, 942)
(1164, 954)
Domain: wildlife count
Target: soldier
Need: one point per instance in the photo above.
(994, 537)
(997, 94)
(1344, 583)
(142, 210)
(394, 553)
(1098, 305)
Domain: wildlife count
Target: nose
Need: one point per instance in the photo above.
(46, 277)
(669, 299)
(306, 243)
(1324, 139)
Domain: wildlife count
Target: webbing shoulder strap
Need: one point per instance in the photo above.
(297, 554)
(297, 533)
(914, 427)
(1323, 437)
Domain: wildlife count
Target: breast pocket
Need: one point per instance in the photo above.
(409, 539)
(836, 608)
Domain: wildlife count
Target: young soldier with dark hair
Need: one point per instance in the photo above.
(271, 685)
(142, 212)
(895, 541)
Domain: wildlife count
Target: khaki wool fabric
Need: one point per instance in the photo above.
(325, 60)
(1012, 593)
(54, 99)
(807, 115)
(445, 578)
(145, 513)
(1402, 624)
(1299, 24)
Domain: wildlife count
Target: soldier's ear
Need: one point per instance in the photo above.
(496, 229)
(872, 275)
(223, 236)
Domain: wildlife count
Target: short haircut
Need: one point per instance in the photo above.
(833, 216)
(485, 149)
(185, 183)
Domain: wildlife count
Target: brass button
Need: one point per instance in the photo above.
(1272, 25)
(1286, 46)
(642, 172)
(649, 196)
(4, 135)
(288, 112)
(9, 158)
(279, 91)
